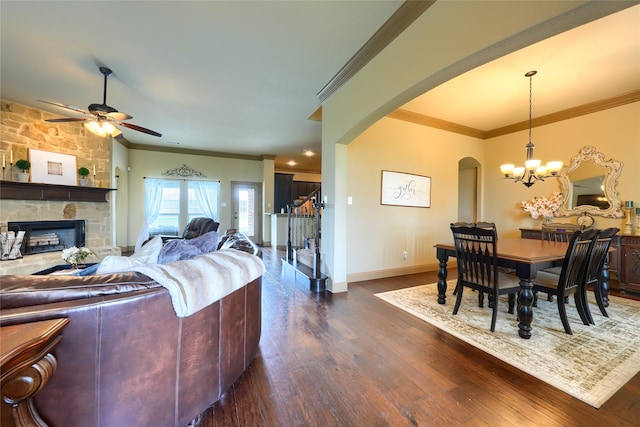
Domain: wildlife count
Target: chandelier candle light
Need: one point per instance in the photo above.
(533, 170)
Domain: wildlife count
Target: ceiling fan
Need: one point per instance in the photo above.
(101, 117)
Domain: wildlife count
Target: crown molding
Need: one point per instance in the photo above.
(421, 119)
(198, 152)
(317, 115)
(408, 12)
(570, 113)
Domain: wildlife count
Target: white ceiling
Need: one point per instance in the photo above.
(592, 62)
(242, 77)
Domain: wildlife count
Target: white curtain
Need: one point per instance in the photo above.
(153, 188)
(206, 193)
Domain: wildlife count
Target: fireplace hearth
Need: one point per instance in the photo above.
(49, 236)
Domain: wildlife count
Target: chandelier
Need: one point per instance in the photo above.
(533, 170)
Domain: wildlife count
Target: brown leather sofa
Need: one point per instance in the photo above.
(125, 358)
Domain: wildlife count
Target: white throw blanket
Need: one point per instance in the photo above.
(198, 282)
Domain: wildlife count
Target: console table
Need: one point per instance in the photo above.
(625, 262)
(26, 364)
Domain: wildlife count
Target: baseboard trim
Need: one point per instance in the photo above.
(398, 271)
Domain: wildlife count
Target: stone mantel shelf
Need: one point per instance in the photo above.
(36, 191)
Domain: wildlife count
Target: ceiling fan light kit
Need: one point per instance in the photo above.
(533, 169)
(101, 119)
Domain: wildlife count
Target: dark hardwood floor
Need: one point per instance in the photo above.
(350, 359)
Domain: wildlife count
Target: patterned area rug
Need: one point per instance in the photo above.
(597, 360)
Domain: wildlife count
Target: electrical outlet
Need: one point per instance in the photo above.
(405, 255)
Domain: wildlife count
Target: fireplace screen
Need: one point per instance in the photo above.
(49, 236)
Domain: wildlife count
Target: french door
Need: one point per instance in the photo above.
(247, 207)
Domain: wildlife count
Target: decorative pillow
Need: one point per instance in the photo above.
(149, 251)
(208, 242)
(147, 254)
(176, 250)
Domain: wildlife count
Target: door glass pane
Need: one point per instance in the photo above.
(246, 203)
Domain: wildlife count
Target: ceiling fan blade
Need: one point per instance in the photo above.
(119, 116)
(66, 107)
(66, 119)
(141, 129)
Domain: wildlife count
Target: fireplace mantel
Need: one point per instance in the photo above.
(36, 191)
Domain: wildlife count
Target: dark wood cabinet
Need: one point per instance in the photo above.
(286, 190)
(283, 187)
(624, 261)
(629, 262)
(530, 233)
(302, 188)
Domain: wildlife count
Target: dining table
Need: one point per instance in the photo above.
(525, 257)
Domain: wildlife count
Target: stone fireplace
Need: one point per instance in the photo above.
(49, 236)
(24, 127)
(95, 221)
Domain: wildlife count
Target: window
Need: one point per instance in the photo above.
(167, 220)
(170, 203)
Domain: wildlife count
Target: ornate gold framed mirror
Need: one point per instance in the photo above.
(588, 185)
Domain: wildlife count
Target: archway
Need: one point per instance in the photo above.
(468, 189)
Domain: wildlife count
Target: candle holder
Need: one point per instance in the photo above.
(637, 232)
(628, 229)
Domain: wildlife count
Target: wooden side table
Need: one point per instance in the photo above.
(26, 364)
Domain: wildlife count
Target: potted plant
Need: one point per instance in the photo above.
(84, 173)
(24, 166)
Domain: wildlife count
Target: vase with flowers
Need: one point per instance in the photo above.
(542, 207)
(75, 256)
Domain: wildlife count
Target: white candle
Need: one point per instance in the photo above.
(11, 161)
(94, 170)
(4, 161)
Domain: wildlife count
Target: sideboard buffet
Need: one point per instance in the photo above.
(624, 262)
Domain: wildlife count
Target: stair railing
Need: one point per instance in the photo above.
(303, 225)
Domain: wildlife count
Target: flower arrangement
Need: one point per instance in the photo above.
(75, 256)
(543, 207)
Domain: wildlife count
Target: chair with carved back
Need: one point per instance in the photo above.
(489, 226)
(557, 232)
(593, 276)
(571, 275)
(478, 268)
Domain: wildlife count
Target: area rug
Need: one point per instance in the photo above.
(590, 365)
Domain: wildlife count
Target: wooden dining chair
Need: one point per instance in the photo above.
(478, 268)
(557, 232)
(571, 275)
(593, 276)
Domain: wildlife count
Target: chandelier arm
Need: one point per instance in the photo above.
(533, 170)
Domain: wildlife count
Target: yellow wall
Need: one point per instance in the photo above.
(448, 40)
(153, 164)
(614, 132)
(377, 235)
